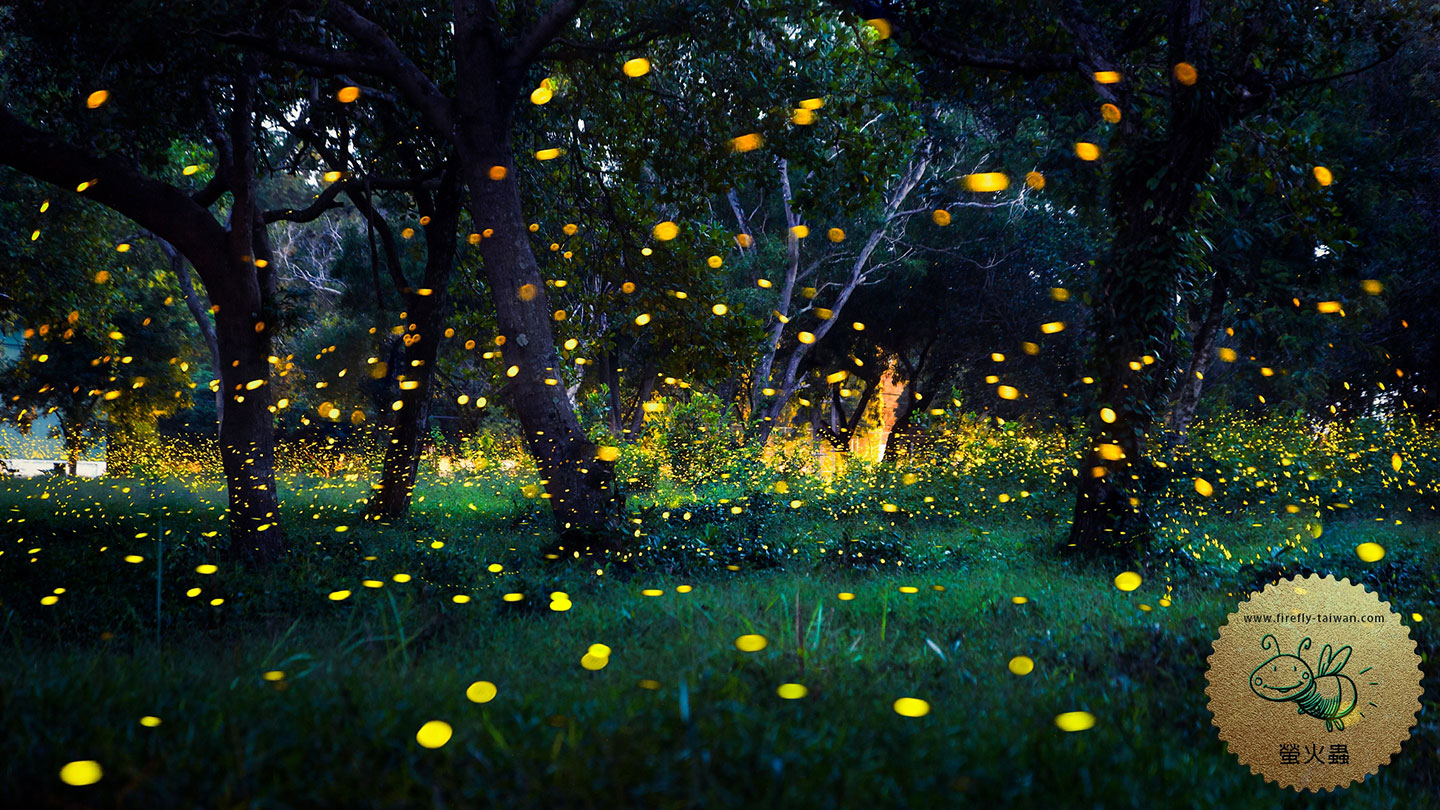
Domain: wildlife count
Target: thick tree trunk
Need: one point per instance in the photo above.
(243, 324)
(247, 436)
(1132, 321)
(579, 486)
(1151, 200)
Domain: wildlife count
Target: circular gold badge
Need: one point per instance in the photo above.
(1314, 683)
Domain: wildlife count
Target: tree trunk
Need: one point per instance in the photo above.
(243, 324)
(1132, 320)
(71, 438)
(579, 486)
(1157, 177)
(1182, 411)
(612, 392)
(642, 396)
(247, 436)
(425, 308)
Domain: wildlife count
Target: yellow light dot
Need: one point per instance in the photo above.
(1185, 73)
(541, 95)
(719, 309)
(150, 721)
(1087, 151)
(792, 691)
(274, 675)
(940, 217)
(715, 262)
(347, 95)
(1127, 581)
(1107, 77)
(86, 771)
(1203, 487)
(460, 598)
(1007, 392)
(1370, 552)
(846, 597)
(481, 692)
(434, 734)
(911, 707)
(880, 27)
(1075, 721)
(747, 143)
(1110, 451)
(986, 181)
(806, 337)
(547, 154)
(642, 319)
(652, 592)
(94, 100)
(592, 663)
(1110, 113)
(1022, 665)
(1323, 175)
(667, 230)
(1035, 180)
(1107, 415)
(206, 568)
(635, 68)
(134, 558)
(498, 173)
(751, 643)
(339, 596)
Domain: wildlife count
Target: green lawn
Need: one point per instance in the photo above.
(678, 716)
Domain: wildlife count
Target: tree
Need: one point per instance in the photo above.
(1177, 76)
(130, 113)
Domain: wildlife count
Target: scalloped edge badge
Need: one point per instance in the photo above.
(1314, 683)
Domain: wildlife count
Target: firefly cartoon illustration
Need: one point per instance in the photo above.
(1323, 693)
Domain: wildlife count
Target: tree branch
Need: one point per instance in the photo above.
(412, 82)
(155, 206)
(560, 13)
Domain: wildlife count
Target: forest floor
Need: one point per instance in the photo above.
(307, 684)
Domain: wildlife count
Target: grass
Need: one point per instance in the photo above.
(678, 717)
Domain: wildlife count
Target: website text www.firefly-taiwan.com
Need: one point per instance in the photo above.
(1316, 618)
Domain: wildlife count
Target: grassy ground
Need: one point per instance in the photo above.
(678, 716)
